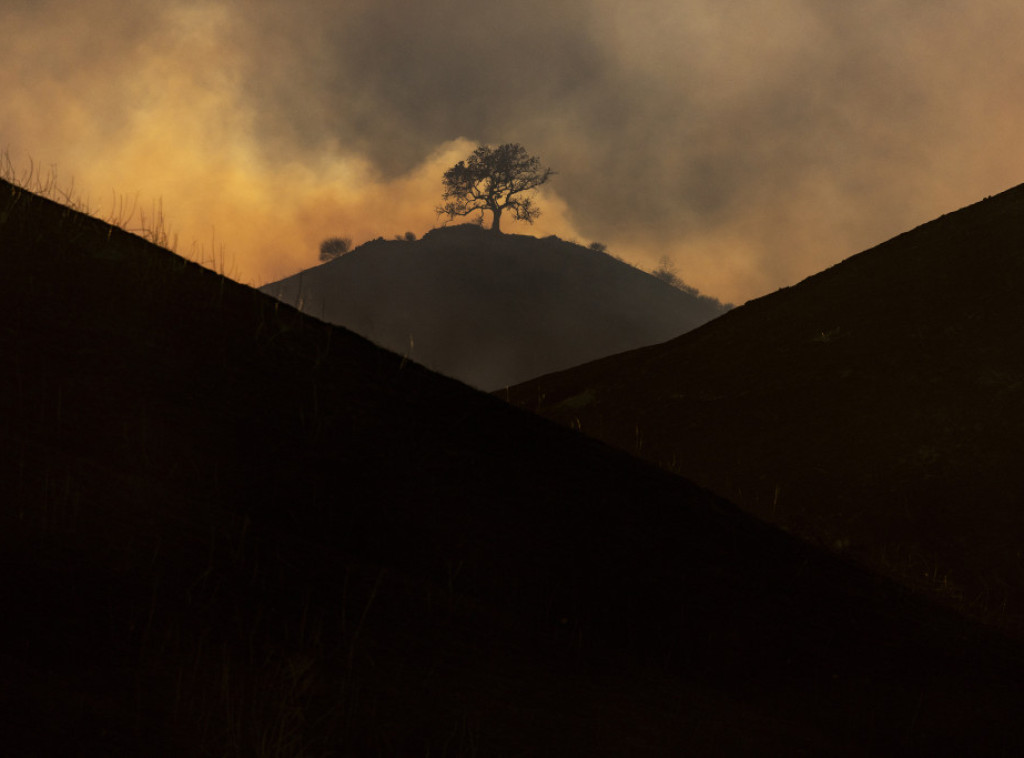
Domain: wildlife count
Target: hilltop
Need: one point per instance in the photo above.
(874, 407)
(231, 529)
(494, 309)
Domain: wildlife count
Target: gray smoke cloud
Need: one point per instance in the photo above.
(752, 143)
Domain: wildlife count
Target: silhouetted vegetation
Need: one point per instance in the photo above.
(492, 179)
(335, 247)
(667, 272)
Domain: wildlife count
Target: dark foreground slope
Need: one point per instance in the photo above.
(229, 529)
(876, 406)
(493, 310)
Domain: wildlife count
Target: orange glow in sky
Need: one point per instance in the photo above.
(753, 144)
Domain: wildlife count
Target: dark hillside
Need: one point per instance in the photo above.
(876, 407)
(230, 529)
(493, 310)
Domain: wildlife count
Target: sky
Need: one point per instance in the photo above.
(753, 143)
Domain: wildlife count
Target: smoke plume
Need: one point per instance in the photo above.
(752, 143)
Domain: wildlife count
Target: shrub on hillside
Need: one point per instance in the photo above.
(334, 247)
(666, 271)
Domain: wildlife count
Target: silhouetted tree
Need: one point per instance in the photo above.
(335, 247)
(490, 180)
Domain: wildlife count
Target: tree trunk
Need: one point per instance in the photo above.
(496, 223)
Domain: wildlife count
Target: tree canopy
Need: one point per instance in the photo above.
(492, 179)
(334, 247)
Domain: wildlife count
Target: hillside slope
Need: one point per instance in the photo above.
(876, 406)
(230, 529)
(493, 310)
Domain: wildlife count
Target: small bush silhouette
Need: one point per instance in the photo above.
(335, 247)
(666, 271)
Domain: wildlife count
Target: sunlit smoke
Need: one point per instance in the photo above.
(753, 143)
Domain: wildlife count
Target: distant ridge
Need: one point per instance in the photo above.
(493, 310)
(875, 406)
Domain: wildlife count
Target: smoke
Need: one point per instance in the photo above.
(752, 143)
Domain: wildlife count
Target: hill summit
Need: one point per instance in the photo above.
(494, 309)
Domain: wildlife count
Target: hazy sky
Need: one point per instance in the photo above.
(754, 142)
